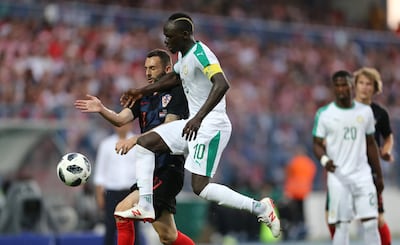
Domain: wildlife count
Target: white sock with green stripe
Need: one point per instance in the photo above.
(226, 197)
(145, 162)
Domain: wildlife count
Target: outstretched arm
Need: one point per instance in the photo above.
(166, 82)
(93, 104)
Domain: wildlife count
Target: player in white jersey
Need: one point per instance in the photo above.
(202, 137)
(343, 140)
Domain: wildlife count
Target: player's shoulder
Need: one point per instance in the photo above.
(201, 50)
(325, 108)
(378, 107)
(363, 109)
(362, 106)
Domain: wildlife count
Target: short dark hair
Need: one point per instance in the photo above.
(183, 21)
(162, 54)
(341, 74)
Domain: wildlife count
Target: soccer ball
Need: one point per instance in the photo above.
(74, 169)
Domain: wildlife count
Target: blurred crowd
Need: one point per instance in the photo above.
(290, 11)
(277, 83)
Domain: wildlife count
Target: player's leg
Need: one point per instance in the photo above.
(112, 198)
(202, 161)
(331, 227)
(340, 210)
(125, 227)
(342, 236)
(383, 228)
(370, 231)
(167, 184)
(166, 229)
(145, 149)
(163, 139)
(366, 208)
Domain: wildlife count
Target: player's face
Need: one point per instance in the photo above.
(364, 88)
(342, 88)
(173, 37)
(154, 68)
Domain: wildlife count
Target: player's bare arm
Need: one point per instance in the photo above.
(386, 151)
(320, 153)
(166, 82)
(94, 104)
(124, 146)
(374, 162)
(218, 90)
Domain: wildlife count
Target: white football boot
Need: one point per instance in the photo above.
(137, 212)
(270, 218)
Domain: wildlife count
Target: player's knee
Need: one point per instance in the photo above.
(167, 237)
(199, 183)
(196, 190)
(152, 142)
(369, 225)
(144, 141)
(198, 187)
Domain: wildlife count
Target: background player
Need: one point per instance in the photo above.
(152, 111)
(204, 136)
(112, 180)
(344, 142)
(368, 83)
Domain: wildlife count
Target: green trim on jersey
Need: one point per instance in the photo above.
(212, 153)
(201, 55)
(320, 110)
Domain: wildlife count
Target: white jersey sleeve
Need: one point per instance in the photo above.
(319, 129)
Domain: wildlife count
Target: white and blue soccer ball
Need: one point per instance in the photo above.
(74, 169)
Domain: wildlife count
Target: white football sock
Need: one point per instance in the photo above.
(145, 162)
(342, 236)
(226, 197)
(371, 232)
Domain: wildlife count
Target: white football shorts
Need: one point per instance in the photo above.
(356, 200)
(203, 153)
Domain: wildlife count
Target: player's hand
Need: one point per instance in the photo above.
(92, 104)
(123, 146)
(330, 166)
(129, 97)
(191, 128)
(387, 156)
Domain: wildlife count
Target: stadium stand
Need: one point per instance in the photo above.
(279, 63)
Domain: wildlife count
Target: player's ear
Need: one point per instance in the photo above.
(168, 68)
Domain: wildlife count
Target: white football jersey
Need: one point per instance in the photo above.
(195, 81)
(344, 131)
